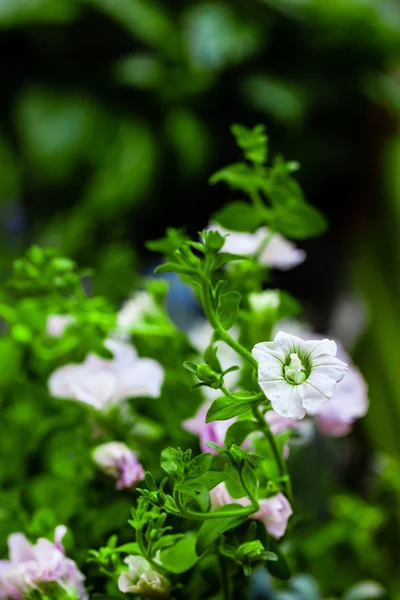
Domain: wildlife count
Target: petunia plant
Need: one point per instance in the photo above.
(192, 429)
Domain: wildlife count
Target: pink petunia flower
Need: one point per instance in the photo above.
(117, 460)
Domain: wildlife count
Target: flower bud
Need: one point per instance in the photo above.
(210, 377)
(117, 460)
(250, 551)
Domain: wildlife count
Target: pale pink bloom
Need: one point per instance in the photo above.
(274, 512)
(349, 403)
(142, 579)
(104, 383)
(56, 324)
(119, 461)
(271, 249)
(279, 424)
(207, 432)
(33, 566)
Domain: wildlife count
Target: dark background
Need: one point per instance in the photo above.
(113, 115)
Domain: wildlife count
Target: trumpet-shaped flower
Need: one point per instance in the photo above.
(274, 512)
(39, 567)
(207, 432)
(117, 460)
(297, 375)
(104, 383)
(271, 249)
(142, 579)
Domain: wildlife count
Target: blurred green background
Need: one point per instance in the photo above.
(114, 113)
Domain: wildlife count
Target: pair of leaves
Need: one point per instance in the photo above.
(224, 408)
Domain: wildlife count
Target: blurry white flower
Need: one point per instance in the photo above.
(119, 461)
(297, 375)
(56, 324)
(134, 310)
(143, 579)
(271, 249)
(104, 383)
(264, 302)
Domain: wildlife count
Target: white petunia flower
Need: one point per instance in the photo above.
(270, 248)
(298, 375)
(104, 383)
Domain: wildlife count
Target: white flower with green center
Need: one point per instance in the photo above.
(298, 375)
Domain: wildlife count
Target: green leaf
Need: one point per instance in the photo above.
(225, 257)
(132, 548)
(253, 142)
(238, 432)
(200, 464)
(212, 478)
(228, 309)
(213, 528)
(173, 268)
(299, 221)
(195, 490)
(211, 358)
(190, 366)
(250, 479)
(224, 408)
(171, 462)
(239, 176)
(240, 216)
(174, 239)
(181, 557)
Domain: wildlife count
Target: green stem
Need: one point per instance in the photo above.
(279, 459)
(199, 516)
(212, 316)
(255, 397)
(224, 577)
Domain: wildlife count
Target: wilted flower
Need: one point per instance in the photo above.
(271, 249)
(274, 512)
(207, 432)
(141, 578)
(56, 324)
(37, 567)
(103, 383)
(119, 461)
(298, 375)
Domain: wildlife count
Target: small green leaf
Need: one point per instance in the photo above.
(240, 216)
(239, 176)
(250, 480)
(225, 257)
(210, 357)
(253, 142)
(228, 309)
(213, 528)
(171, 462)
(181, 557)
(173, 268)
(224, 408)
(299, 221)
(132, 548)
(190, 366)
(239, 431)
(196, 490)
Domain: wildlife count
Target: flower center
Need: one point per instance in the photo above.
(294, 371)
